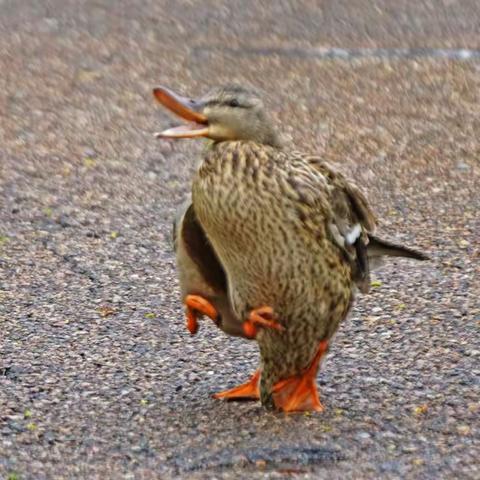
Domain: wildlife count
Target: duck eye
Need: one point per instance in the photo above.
(233, 103)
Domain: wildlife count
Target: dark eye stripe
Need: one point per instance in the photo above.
(225, 103)
(234, 103)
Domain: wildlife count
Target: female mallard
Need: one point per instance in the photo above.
(289, 231)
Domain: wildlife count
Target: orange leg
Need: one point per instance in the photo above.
(196, 306)
(248, 390)
(299, 393)
(264, 317)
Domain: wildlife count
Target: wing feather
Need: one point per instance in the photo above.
(352, 220)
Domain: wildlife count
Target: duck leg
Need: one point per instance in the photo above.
(260, 317)
(299, 393)
(245, 391)
(195, 306)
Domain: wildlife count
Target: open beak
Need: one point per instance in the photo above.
(185, 108)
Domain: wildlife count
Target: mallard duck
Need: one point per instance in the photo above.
(290, 233)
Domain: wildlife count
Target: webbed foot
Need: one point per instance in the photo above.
(261, 317)
(299, 393)
(248, 390)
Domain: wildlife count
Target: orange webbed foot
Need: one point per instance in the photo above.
(196, 306)
(245, 391)
(261, 317)
(299, 393)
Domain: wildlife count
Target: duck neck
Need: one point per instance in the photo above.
(271, 139)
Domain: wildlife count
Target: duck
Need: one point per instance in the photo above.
(290, 234)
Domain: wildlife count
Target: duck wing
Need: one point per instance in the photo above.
(352, 220)
(354, 224)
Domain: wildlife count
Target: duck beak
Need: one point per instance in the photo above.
(185, 108)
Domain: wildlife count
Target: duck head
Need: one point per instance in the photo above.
(224, 114)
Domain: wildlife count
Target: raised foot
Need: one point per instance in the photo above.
(299, 393)
(195, 306)
(245, 391)
(260, 317)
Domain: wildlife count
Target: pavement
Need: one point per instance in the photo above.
(98, 376)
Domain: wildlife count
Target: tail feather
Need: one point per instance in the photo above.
(382, 248)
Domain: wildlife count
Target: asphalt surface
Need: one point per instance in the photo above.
(98, 376)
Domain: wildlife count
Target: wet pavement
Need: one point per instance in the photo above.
(98, 376)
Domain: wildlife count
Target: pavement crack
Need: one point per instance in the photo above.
(343, 53)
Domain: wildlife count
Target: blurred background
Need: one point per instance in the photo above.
(98, 377)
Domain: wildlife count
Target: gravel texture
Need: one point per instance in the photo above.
(98, 376)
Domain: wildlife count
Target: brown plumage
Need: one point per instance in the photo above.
(288, 230)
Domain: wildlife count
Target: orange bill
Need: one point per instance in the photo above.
(185, 108)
